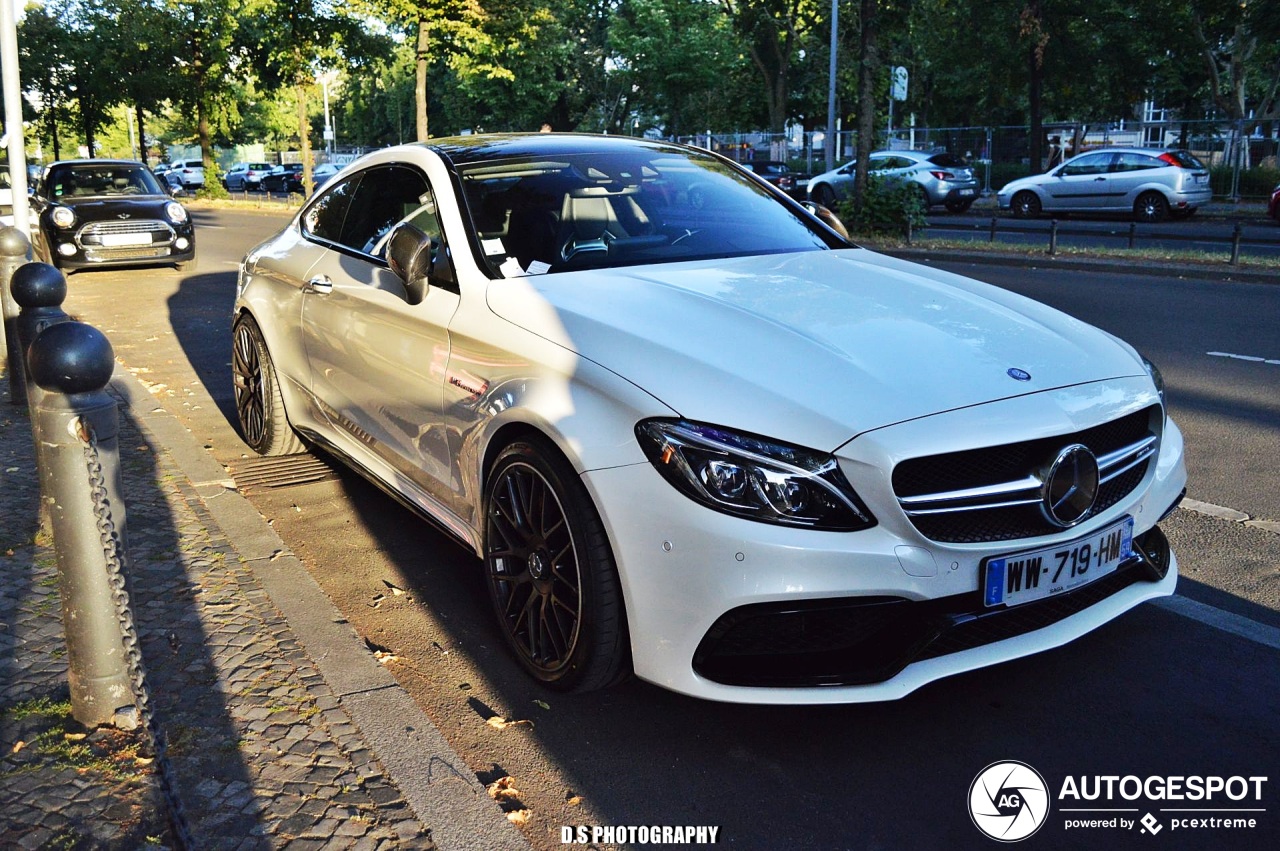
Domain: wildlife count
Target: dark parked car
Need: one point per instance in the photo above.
(780, 175)
(1273, 209)
(283, 178)
(109, 213)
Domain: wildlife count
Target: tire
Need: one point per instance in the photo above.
(824, 195)
(264, 424)
(959, 206)
(1151, 207)
(550, 571)
(1025, 205)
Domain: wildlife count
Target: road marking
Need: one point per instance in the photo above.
(1249, 358)
(1268, 636)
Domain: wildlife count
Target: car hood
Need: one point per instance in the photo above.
(812, 348)
(108, 208)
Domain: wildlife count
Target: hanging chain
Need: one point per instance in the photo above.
(115, 553)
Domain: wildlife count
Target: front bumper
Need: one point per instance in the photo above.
(68, 250)
(690, 576)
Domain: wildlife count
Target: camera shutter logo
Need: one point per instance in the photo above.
(1008, 801)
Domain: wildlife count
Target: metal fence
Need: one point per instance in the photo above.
(1242, 156)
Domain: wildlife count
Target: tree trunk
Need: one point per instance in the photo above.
(868, 70)
(421, 81)
(142, 135)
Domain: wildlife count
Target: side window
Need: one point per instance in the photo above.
(1090, 164)
(385, 197)
(1135, 162)
(326, 217)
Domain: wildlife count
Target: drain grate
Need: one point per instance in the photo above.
(284, 471)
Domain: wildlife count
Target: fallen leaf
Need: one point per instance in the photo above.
(74, 737)
(518, 817)
(19, 746)
(503, 789)
(543, 704)
(395, 589)
(465, 686)
(574, 801)
(501, 724)
(144, 760)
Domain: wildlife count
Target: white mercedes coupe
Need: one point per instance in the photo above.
(694, 433)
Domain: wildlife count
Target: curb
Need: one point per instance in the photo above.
(1077, 264)
(435, 781)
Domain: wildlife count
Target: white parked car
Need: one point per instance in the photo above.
(190, 172)
(690, 431)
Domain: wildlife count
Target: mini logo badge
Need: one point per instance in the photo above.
(1019, 374)
(122, 215)
(1008, 801)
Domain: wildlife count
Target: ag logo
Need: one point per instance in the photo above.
(1008, 801)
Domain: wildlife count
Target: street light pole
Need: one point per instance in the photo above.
(13, 116)
(326, 79)
(829, 142)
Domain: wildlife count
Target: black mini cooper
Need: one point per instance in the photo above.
(96, 213)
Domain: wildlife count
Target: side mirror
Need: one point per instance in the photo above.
(409, 256)
(827, 217)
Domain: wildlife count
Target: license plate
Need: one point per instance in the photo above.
(964, 192)
(114, 240)
(1025, 577)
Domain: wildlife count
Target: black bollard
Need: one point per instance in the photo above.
(39, 291)
(15, 249)
(76, 425)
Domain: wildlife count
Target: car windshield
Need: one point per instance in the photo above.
(79, 181)
(605, 209)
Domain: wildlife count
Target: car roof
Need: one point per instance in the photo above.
(96, 162)
(463, 150)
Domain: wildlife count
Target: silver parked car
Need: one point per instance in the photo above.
(1151, 183)
(940, 177)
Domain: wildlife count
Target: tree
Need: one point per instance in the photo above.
(775, 31)
(204, 62)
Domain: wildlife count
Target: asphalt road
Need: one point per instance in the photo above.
(1259, 236)
(1155, 693)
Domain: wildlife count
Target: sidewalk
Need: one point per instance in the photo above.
(284, 731)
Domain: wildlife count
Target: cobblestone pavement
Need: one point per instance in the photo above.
(264, 754)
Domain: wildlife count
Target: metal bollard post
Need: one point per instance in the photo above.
(39, 290)
(992, 237)
(15, 249)
(1053, 237)
(1235, 244)
(1133, 229)
(72, 363)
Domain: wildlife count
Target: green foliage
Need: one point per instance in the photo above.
(1257, 182)
(886, 208)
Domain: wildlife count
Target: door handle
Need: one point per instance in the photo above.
(1099, 178)
(320, 284)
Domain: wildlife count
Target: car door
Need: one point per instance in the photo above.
(1130, 172)
(377, 362)
(1083, 183)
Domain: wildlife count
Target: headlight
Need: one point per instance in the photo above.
(753, 477)
(1154, 372)
(176, 212)
(63, 217)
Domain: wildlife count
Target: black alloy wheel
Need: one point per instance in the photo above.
(824, 195)
(1150, 207)
(1025, 205)
(259, 405)
(959, 206)
(550, 571)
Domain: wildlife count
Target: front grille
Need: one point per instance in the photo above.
(104, 254)
(993, 493)
(99, 234)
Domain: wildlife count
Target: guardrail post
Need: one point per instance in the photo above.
(72, 362)
(39, 290)
(1235, 244)
(15, 249)
(1053, 236)
(992, 237)
(1133, 232)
